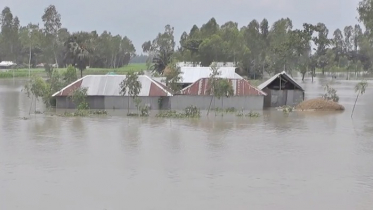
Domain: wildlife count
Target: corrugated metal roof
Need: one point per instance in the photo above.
(284, 74)
(241, 87)
(218, 64)
(192, 74)
(7, 63)
(108, 85)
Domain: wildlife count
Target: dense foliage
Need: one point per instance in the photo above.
(32, 45)
(255, 48)
(260, 47)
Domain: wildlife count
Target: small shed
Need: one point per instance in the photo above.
(245, 96)
(281, 90)
(103, 92)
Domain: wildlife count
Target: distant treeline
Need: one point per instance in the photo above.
(260, 47)
(256, 48)
(34, 44)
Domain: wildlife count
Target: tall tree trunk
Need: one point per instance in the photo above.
(29, 64)
(128, 105)
(303, 76)
(353, 109)
(55, 57)
(81, 73)
(208, 111)
(32, 100)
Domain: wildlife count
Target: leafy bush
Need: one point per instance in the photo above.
(240, 114)
(189, 112)
(331, 94)
(192, 111)
(78, 97)
(252, 114)
(144, 111)
(84, 113)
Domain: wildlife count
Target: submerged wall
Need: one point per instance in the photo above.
(202, 102)
(114, 102)
(175, 102)
(276, 98)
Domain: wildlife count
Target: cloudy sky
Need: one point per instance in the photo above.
(141, 20)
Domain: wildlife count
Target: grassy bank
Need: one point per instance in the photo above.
(20, 73)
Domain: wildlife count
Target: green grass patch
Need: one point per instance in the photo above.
(22, 73)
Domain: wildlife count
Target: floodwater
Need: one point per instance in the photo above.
(300, 161)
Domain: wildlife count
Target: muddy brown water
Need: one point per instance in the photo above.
(302, 161)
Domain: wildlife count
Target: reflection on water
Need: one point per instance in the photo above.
(303, 160)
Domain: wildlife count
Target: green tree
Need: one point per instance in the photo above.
(9, 43)
(279, 38)
(212, 82)
(130, 86)
(77, 54)
(322, 42)
(365, 9)
(173, 76)
(223, 88)
(338, 41)
(360, 89)
(30, 37)
(79, 98)
(35, 88)
(162, 48)
(69, 76)
(52, 25)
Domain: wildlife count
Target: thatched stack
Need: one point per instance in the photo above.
(319, 104)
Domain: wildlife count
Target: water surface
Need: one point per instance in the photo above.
(300, 161)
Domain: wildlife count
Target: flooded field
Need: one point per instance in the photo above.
(309, 160)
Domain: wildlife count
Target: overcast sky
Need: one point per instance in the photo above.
(141, 20)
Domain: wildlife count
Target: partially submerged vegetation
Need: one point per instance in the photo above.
(251, 114)
(331, 94)
(78, 97)
(38, 88)
(227, 110)
(286, 109)
(189, 112)
(360, 90)
(218, 87)
(84, 113)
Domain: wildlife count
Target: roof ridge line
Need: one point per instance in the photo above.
(156, 83)
(69, 85)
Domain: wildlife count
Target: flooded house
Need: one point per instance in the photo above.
(246, 96)
(190, 75)
(7, 64)
(281, 90)
(103, 92)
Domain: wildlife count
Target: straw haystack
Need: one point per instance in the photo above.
(319, 104)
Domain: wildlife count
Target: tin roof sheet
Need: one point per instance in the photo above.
(109, 85)
(241, 87)
(284, 74)
(192, 74)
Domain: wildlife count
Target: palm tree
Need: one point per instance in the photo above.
(77, 54)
